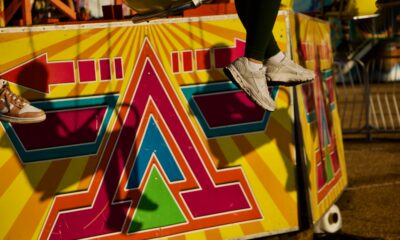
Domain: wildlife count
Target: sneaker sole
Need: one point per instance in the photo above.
(22, 120)
(235, 77)
(286, 80)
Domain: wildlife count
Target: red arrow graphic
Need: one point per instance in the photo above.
(225, 55)
(38, 73)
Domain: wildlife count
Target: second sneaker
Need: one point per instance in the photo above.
(286, 72)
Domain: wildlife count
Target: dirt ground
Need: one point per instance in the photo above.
(370, 206)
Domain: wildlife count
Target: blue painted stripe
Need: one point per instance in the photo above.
(153, 143)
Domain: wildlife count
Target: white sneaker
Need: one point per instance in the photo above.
(286, 72)
(252, 82)
(16, 109)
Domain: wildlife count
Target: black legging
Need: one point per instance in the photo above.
(258, 18)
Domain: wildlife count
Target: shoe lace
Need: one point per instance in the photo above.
(12, 98)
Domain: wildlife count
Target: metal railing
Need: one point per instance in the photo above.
(369, 95)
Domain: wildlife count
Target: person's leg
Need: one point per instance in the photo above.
(257, 17)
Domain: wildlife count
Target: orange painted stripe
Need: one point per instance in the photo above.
(283, 201)
(51, 50)
(155, 33)
(198, 39)
(130, 33)
(72, 41)
(218, 156)
(102, 87)
(17, 36)
(164, 32)
(279, 132)
(87, 174)
(121, 31)
(131, 58)
(78, 89)
(252, 228)
(214, 234)
(172, 31)
(181, 237)
(9, 171)
(88, 53)
(228, 34)
(26, 224)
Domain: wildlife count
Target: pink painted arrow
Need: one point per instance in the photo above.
(39, 73)
(224, 56)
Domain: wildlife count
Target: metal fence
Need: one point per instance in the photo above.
(369, 96)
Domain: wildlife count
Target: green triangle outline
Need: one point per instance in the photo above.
(157, 207)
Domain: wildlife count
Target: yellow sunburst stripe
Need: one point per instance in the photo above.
(5, 37)
(182, 41)
(125, 39)
(6, 148)
(158, 44)
(231, 157)
(283, 114)
(197, 35)
(8, 172)
(116, 41)
(180, 237)
(130, 56)
(278, 132)
(124, 51)
(88, 88)
(213, 234)
(42, 221)
(168, 45)
(194, 35)
(158, 38)
(73, 175)
(65, 45)
(273, 218)
(90, 169)
(33, 209)
(252, 228)
(277, 159)
(87, 47)
(224, 30)
(173, 45)
(93, 47)
(231, 232)
(196, 235)
(25, 49)
(215, 151)
(177, 46)
(263, 170)
(18, 193)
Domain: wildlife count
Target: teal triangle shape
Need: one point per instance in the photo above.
(157, 207)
